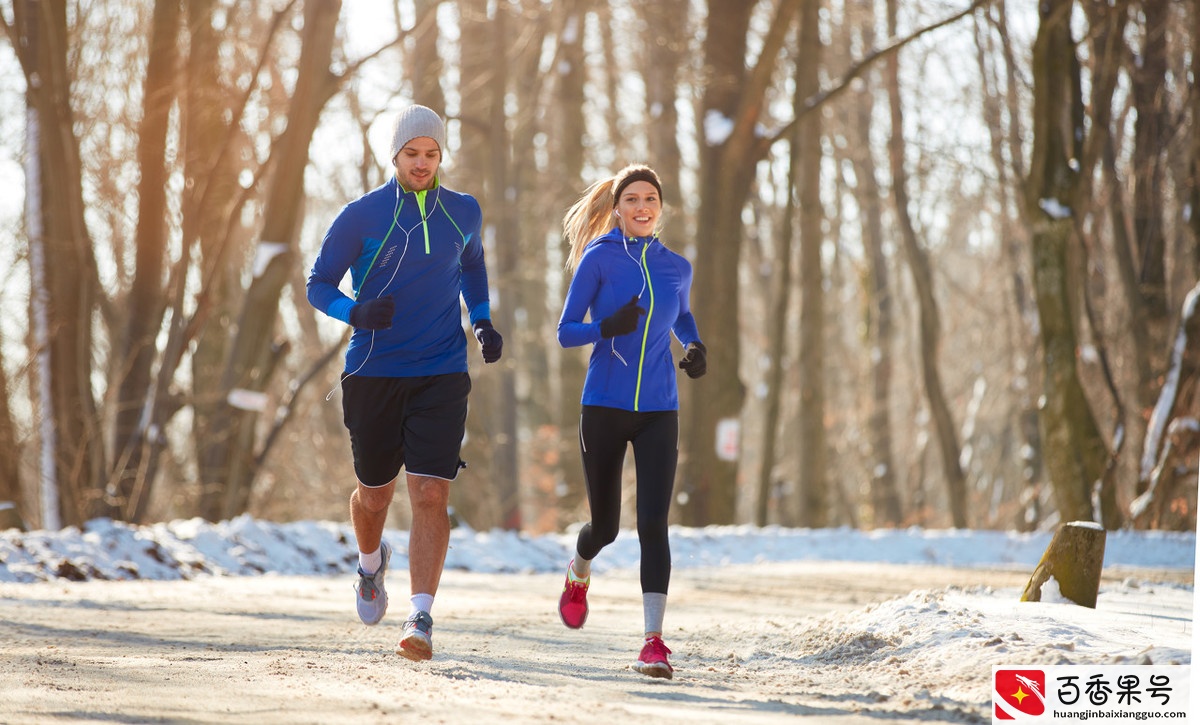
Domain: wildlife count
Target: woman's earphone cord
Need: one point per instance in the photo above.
(612, 344)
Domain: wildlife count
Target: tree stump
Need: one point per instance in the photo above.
(1074, 559)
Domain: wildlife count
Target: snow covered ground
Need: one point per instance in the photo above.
(1145, 611)
(111, 550)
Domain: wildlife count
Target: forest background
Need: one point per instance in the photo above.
(945, 260)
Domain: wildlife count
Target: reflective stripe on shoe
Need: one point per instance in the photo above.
(370, 596)
(417, 642)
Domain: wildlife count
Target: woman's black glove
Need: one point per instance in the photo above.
(490, 341)
(623, 321)
(695, 363)
(373, 314)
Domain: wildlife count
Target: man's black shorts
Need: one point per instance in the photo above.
(415, 423)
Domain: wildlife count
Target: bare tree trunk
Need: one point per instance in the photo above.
(425, 62)
(145, 304)
(1139, 259)
(1015, 252)
(813, 507)
(473, 174)
(885, 499)
(534, 307)
(918, 263)
(666, 26)
(1075, 452)
(1169, 458)
(209, 198)
(1107, 30)
(779, 302)
(1149, 76)
(568, 142)
(49, 505)
(1014, 241)
(612, 80)
(70, 270)
(707, 484)
(505, 471)
(254, 352)
(10, 451)
(1193, 197)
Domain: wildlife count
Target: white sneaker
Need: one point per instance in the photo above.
(371, 597)
(417, 642)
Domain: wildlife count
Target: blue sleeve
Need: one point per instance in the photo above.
(572, 330)
(474, 283)
(338, 252)
(685, 324)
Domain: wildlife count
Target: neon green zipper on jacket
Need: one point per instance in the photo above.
(424, 219)
(637, 394)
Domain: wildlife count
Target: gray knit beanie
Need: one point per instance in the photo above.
(414, 122)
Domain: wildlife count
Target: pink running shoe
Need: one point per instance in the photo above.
(572, 605)
(652, 662)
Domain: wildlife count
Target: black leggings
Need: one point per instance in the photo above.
(603, 436)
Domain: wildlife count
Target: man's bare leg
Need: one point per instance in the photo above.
(429, 537)
(428, 540)
(368, 514)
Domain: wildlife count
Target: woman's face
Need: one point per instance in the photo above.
(638, 209)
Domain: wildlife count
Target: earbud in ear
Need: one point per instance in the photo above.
(616, 213)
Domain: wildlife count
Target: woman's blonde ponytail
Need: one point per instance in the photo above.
(588, 218)
(591, 215)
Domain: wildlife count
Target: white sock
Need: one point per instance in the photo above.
(654, 606)
(370, 563)
(421, 603)
(581, 569)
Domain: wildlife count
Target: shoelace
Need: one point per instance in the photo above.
(421, 624)
(657, 647)
(577, 591)
(369, 590)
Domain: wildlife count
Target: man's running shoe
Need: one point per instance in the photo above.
(572, 605)
(417, 642)
(652, 662)
(370, 595)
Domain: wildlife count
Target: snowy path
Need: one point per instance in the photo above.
(850, 643)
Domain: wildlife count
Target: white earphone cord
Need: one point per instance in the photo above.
(407, 236)
(612, 344)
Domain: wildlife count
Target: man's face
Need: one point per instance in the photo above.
(417, 164)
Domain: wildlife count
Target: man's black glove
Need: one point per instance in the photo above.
(373, 314)
(695, 363)
(623, 321)
(490, 341)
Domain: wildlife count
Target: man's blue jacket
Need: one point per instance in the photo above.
(422, 248)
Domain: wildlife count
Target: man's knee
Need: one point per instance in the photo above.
(375, 498)
(428, 493)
